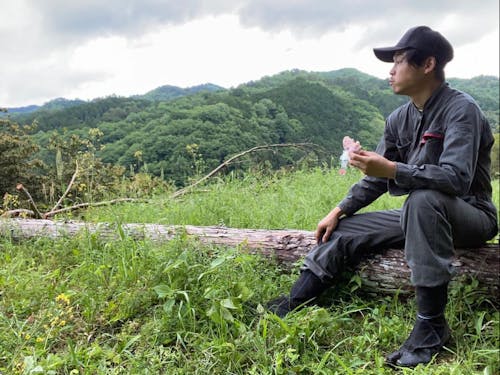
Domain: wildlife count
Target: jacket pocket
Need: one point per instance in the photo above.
(431, 147)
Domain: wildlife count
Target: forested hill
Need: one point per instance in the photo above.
(58, 103)
(169, 92)
(176, 132)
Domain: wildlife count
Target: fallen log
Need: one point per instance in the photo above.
(386, 272)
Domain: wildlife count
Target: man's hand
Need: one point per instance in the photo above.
(327, 225)
(373, 164)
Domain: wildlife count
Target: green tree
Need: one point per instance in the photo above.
(17, 164)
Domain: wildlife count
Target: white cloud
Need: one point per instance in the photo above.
(477, 58)
(94, 48)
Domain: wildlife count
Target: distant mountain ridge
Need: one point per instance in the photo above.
(58, 103)
(350, 79)
(25, 109)
(166, 92)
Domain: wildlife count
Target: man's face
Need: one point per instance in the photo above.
(405, 79)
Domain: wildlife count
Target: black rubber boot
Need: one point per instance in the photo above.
(430, 332)
(306, 289)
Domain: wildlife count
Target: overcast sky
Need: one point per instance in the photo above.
(94, 48)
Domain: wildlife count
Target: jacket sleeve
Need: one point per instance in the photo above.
(453, 171)
(368, 189)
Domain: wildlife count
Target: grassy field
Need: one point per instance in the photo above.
(80, 306)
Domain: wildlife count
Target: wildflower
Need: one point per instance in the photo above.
(63, 298)
(54, 321)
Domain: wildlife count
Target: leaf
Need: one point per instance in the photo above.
(213, 314)
(245, 292)
(356, 282)
(162, 290)
(217, 262)
(168, 306)
(226, 314)
(121, 232)
(185, 294)
(228, 304)
(131, 342)
(210, 293)
(261, 309)
(479, 323)
(37, 370)
(172, 266)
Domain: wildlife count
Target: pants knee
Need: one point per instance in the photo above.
(425, 199)
(422, 203)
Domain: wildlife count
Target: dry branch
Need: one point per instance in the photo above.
(87, 205)
(237, 156)
(20, 187)
(385, 273)
(59, 202)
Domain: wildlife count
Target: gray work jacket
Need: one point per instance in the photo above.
(445, 147)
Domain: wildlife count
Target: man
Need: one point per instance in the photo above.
(436, 149)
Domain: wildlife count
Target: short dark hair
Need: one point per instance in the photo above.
(417, 58)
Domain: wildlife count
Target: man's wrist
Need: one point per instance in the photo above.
(337, 212)
(392, 170)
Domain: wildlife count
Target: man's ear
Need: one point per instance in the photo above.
(430, 64)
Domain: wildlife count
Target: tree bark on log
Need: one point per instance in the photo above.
(382, 273)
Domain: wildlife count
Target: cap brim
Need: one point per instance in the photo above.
(386, 54)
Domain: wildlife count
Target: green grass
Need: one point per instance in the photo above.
(295, 200)
(81, 306)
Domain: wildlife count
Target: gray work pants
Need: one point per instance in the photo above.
(429, 226)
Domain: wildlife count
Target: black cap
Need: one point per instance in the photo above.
(422, 38)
